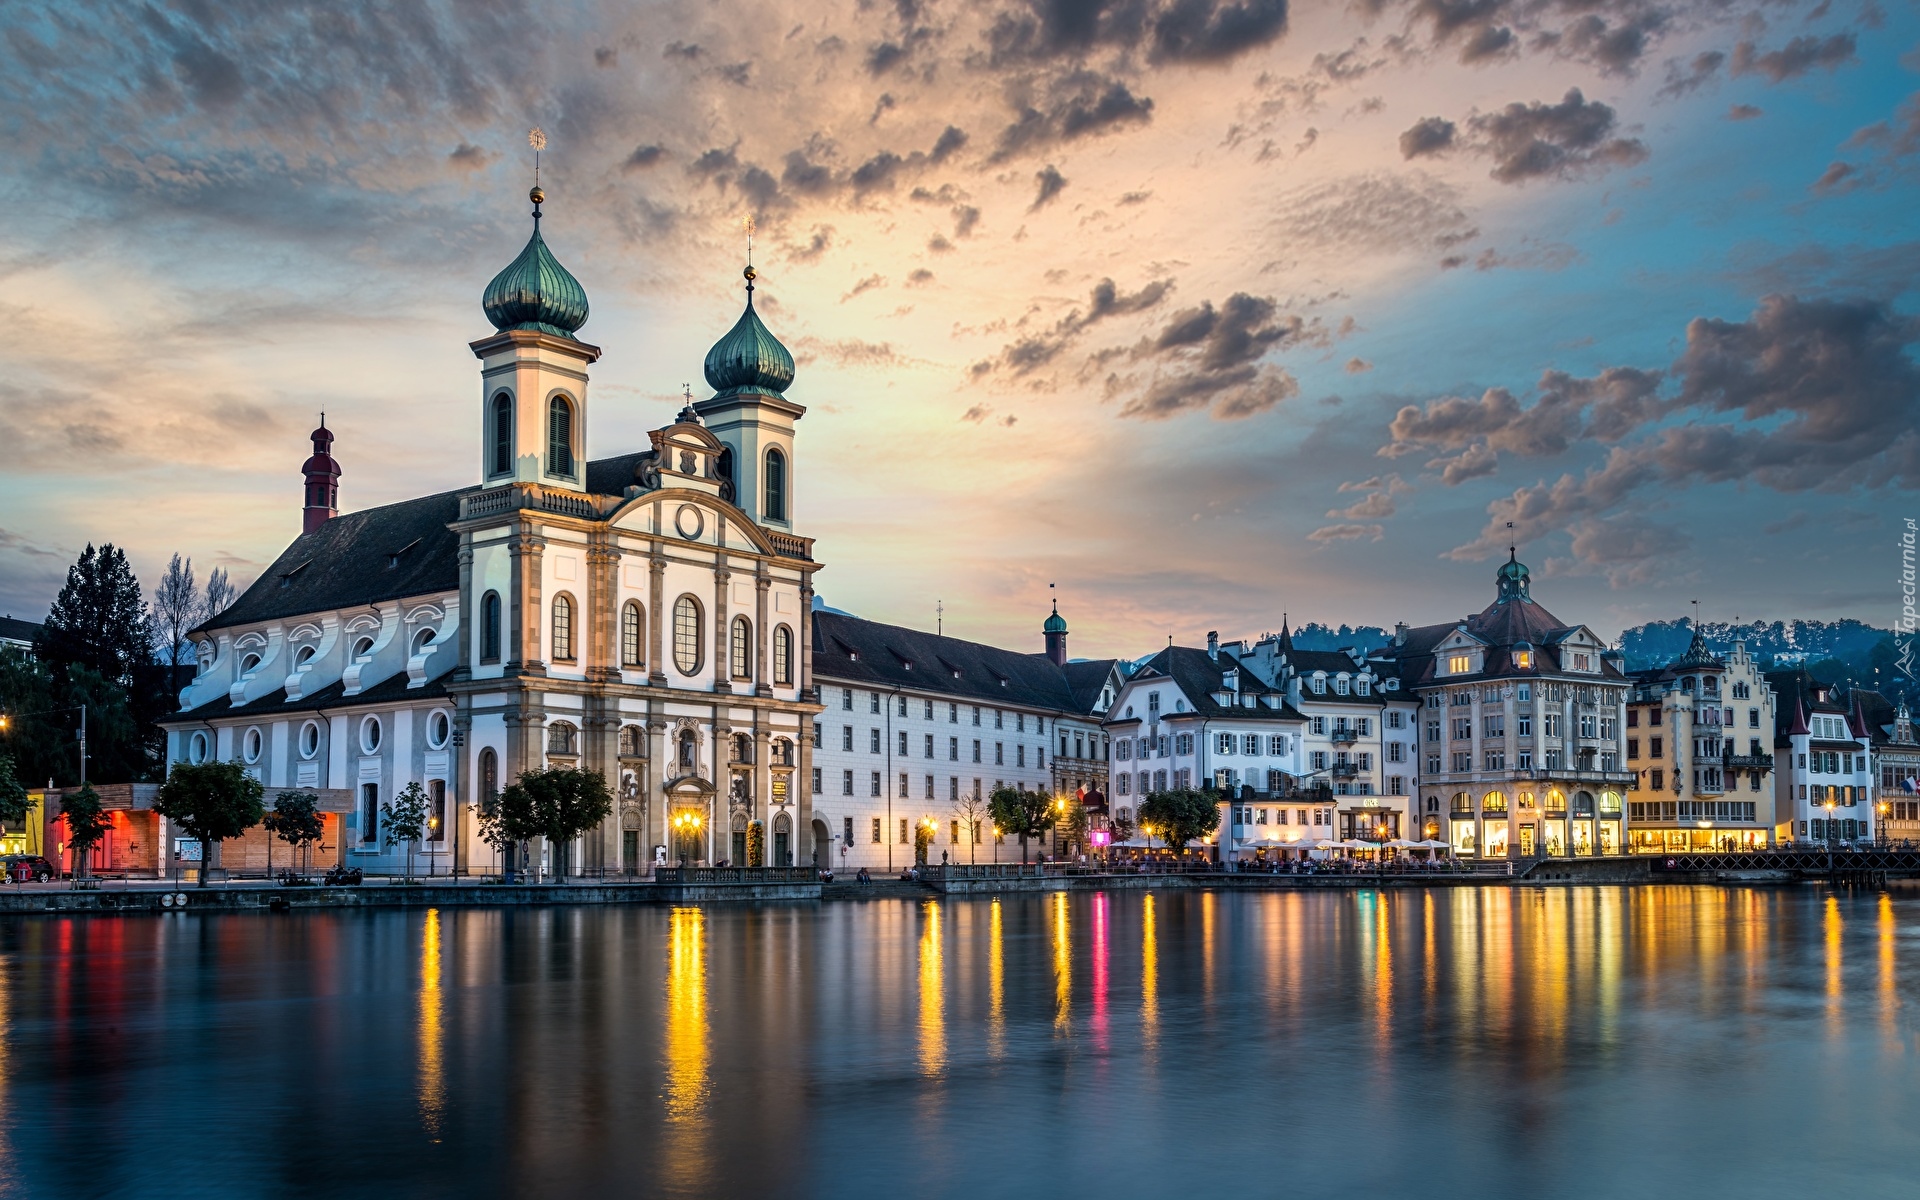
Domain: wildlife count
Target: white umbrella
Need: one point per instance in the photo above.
(1435, 844)
(1404, 844)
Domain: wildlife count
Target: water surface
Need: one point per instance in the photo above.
(1467, 1042)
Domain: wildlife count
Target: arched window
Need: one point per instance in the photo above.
(363, 647)
(776, 506)
(689, 752)
(742, 660)
(502, 440)
(782, 654)
(563, 628)
(687, 653)
(633, 740)
(489, 775)
(490, 627)
(562, 738)
(422, 640)
(560, 437)
(723, 467)
(742, 748)
(633, 633)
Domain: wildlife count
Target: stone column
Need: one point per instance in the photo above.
(662, 618)
(762, 635)
(464, 655)
(722, 638)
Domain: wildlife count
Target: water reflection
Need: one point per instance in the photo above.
(433, 1084)
(868, 1048)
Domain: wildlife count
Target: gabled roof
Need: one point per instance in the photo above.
(13, 629)
(1501, 627)
(869, 654)
(1199, 676)
(1085, 678)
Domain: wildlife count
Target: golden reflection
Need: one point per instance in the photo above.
(1889, 984)
(1149, 972)
(933, 1024)
(686, 1015)
(996, 983)
(1836, 987)
(1062, 963)
(433, 1084)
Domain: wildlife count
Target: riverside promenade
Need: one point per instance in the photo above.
(780, 885)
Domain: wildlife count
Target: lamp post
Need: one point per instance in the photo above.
(1828, 805)
(996, 844)
(433, 834)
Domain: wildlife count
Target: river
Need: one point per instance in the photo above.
(1470, 1042)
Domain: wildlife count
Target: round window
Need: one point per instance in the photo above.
(197, 748)
(305, 655)
(250, 745)
(309, 740)
(248, 663)
(437, 729)
(370, 734)
(363, 647)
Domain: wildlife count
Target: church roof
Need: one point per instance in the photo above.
(1199, 676)
(391, 689)
(748, 358)
(1085, 678)
(378, 554)
(868, 653)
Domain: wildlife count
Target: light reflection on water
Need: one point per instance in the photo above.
(1467, 1042)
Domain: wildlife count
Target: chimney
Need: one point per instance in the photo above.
(1213, 643)
(1400, 633)
(323, 481)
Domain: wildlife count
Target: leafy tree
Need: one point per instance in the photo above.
(1180, 815)
(1022, 813)
(405, 820)
(176, 609)
(87, 822)
(14, 804)
(43, 736)
(1123, 828)
(295, 820)
(504, 827)
(555, 803)
(213, 802)
(973, 810)
(1074, 824)
(99, 620)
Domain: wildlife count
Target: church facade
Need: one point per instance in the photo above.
(643, 615)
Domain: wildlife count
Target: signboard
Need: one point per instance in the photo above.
(1100, 837)
(780, 789)
(185, 850)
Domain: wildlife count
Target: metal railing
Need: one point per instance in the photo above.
(736, 875)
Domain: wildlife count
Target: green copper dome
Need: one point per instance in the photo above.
(535, 291)
(749, 359)
(1055, 623)
(1513, 579)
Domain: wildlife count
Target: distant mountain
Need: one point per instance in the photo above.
(1315, 636)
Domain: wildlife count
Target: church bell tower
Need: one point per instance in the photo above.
(750, 371)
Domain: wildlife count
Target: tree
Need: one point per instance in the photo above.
(219, 595)
(504, 827)
(1022, 813)
(99, 619)
(1122, 827)
(1180, 815)
(295, 820)
(213, 802)
(1073, 826)
(973, 810)
(405, 820)
(556, 803)
(14, 804)
(87, 823)
(176, 609)
(43, 740)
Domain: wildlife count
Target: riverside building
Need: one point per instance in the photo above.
(1823, 776)
(918, 730)
(1521, 729)
(1699, 746)
(640, 615)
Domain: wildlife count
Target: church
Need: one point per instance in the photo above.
(643, 615)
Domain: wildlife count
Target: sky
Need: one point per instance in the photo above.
(1204, 311)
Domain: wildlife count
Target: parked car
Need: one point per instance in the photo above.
(28, 868)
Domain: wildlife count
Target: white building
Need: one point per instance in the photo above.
(1823, 770)
(640, 616)
(918, 730)
(1699, 738)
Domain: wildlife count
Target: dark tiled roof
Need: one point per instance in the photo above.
(1085, 679)
(1501, 625)
(13, 629)
(351, 560)
(388, 690)
(1199, 676)
(884, 657)
(1796, 695)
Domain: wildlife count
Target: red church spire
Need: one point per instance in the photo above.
(323, 481)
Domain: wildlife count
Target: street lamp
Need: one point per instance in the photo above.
(433, 836)
(686, 824)
(1829, 807)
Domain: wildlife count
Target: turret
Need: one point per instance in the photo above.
(1055, 631)
(323, 481)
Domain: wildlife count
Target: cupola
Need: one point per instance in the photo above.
(749, 360)
(535, 292)
(1054, 631)
(1513, 579)
(323, 481)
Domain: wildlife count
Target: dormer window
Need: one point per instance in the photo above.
(1584, 662)
(1459, 664)
(248, 664)
(363, 647)
(1341, 685)
(1319, 685)
(1363, 685)
(304, 655)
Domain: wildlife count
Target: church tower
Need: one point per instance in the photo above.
(533, 372)
(323, 481)
(1055, 632)
(749, 371)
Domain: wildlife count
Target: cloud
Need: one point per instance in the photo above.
(1429, 135)
(1694, 75)
(1193, 31)
(1208, 357)
(865, 285)
(1536, 140)
(1080, 105)
(1105, 301)
(1357, 366)
(643, 157)
(1743, 112)
(1049, 183)
(469, 157)
(1347, 533)
(1796, 58)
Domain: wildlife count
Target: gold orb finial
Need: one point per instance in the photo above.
(751, 274)
(537, 196)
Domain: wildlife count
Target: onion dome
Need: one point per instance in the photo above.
(1513, 578)
(535, 291)
(749, 360)
(1055, 623)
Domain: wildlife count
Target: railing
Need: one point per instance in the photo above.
(485, 504)
(1344, 735)
(983, 870)
(1345, 770)
(787, 545)
(1574, 775)
(568, 504)
(520, 495)
(1747, 762)
(736, 875)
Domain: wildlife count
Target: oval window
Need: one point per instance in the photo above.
(370, 734)
(250, 745)
(309, 740)
(686, 635)
(197, 748)
(437, 729)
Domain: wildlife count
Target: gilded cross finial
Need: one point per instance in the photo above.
(749, 273)
(537, 138)
(686, 390)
